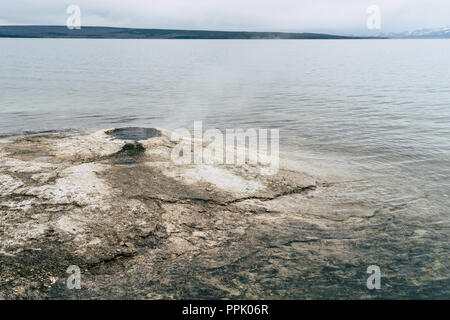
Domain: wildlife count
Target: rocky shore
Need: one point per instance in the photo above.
(141, 227)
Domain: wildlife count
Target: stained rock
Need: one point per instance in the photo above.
(151, 229)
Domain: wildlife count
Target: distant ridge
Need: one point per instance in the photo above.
(436, 33)
(131, 33)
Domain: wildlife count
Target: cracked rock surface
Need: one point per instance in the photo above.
(141, 227)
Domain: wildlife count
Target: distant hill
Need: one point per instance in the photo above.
(130, 33)
(437, 33)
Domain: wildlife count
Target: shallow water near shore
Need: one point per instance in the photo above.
(378, 111)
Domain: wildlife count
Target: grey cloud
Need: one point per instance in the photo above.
(258, 15)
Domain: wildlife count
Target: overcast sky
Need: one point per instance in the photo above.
(338, 16)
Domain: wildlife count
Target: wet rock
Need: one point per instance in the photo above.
(129, 153)
(154, 228)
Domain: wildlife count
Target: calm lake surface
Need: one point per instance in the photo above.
(379, 109)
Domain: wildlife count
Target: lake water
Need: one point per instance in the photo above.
(379, 109)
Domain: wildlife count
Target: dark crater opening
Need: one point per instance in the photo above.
(129, 154)
(131, 150)
(134, 133)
